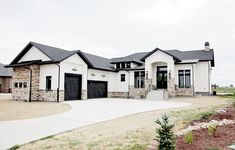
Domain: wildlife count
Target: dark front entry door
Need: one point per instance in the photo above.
(72, 86)
(97, 89)
(162, 77)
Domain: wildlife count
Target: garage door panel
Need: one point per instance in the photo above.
(73, 85)
(97, 89)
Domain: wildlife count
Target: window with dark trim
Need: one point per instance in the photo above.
(16, 84)
(139, 77)
(20, 85)
(48, 83)
(123, 77)
(128, 65)
(25, 84)
(184, 78)
(122, 65)
(117, 65)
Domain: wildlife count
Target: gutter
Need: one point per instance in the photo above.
(30, 83)
(58, 87)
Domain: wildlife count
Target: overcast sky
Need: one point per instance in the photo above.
(117, 28)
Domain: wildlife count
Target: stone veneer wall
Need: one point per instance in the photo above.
(21, 75)
(118, 94)
(137, 92)
(51, 95)
(184, 91)
(84, 94)
(171, 87)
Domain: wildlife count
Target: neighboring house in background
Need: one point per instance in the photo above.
(47, 73)
(5, 79)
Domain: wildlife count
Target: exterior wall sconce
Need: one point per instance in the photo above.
(169, 74)
(103, 75)
(92, 74)
(146, 75)
(75, 69)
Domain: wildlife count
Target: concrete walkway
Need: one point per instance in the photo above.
(83, 113)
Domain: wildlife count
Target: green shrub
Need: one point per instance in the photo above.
(188, 138)
(212, 129)
(165, 135)
(205, 115)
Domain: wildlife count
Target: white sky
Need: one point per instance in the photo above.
(117, 28)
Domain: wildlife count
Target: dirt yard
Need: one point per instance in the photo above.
(134, 132)
(16, 110)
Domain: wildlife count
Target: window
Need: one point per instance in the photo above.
(123, 78)
(184, 78)
(128, 65)
(139, 77)
(16, 84)
(122, 65)
(48, 83)
(117, 65)
(25, 84)
(20, 85)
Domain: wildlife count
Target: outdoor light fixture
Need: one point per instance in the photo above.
(74, 69)
(147, 73)
(169, 74)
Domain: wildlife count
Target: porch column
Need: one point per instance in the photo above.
(171, 79)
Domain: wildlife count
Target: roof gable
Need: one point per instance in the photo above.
(157, 49)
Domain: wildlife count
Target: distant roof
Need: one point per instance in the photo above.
(5, 72)
(93, 61)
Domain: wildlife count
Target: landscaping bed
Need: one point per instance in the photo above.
(202, 139)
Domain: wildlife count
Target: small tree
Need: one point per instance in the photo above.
(165, 135)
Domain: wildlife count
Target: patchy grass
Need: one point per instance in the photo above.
(15, 147)
(224, 90)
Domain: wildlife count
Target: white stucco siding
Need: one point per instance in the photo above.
(34, 54)
(113, 79)
(159, 56)
(202, 77)
(184, 67)
(49, 70)
(74, 65)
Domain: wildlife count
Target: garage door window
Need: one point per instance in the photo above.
(123, 78)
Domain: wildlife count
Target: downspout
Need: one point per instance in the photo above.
(58, 87)
(30, 83)
(193, 80)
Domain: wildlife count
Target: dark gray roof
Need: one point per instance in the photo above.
(56, 54)
(130, 58)
(5, 72)
(97, 62)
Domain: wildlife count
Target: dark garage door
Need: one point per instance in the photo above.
(72, 86)
(97, 89)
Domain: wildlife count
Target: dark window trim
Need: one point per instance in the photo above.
(123, 77)
(184, 73)
(48, 84)
(141, 75)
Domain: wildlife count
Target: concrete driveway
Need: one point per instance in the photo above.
(83, 113)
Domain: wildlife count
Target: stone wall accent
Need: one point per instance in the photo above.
(171, 87)
(184, 91)
(84, 94)
(118, 94)
(51, 96)
(21, 76)
(148, 84)
(137, 92)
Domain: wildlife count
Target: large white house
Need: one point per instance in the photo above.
(48, 73)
